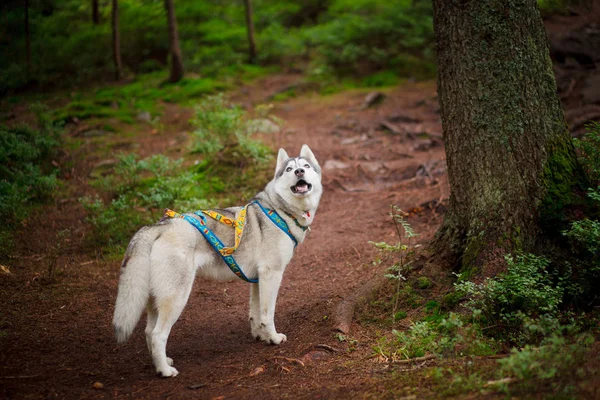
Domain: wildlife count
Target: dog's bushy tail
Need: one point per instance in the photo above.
(134, 284)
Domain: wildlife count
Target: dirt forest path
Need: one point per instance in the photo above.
(61, 344)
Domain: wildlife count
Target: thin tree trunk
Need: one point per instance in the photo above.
(511, 164)
(27, 40)
(174, 50)
(116, 39)
(250, 30)
(95, 12)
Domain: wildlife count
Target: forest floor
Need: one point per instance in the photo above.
(57, 339)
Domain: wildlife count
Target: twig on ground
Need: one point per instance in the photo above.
(326, 347)
(416, 359)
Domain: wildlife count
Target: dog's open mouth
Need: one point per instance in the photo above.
(301, 187)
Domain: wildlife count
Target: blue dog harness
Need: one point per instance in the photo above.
(226, 253)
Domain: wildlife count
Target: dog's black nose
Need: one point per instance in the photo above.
(299, 172)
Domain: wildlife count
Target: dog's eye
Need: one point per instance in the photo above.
(306, 166)
(288, 169)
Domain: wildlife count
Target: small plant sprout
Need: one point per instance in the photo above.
(404, 247)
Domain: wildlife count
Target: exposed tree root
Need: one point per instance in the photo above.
(345, 310)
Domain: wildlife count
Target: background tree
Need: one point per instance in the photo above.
(116, 39)
(250, 31)
(95, 12)
(27, 40)
(176, 72)
(512, 168)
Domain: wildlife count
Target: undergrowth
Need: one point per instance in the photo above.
(27, 174)
(136, 191)
(221, 126)
(145, 94)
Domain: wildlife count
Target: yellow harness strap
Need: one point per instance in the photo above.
(237, 223)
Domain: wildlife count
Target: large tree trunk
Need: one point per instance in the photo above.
(95, 12)
(511, 165)
(174, 50)
(116, 39)
(27, 40)
(250, 30)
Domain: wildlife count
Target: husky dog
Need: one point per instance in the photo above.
(162, 260)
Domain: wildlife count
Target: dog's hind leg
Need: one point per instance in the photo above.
(168, 311)
(171, 283)
(152, 316)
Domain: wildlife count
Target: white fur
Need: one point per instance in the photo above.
(162, 261)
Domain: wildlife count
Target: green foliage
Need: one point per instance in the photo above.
(220, 126)
(137, 191)
(381, 79)
(146, 93)
(26, 175)
(401, 250)
(583, 273)
(555, 364)
(417, 341)
(423, 282)
(375, 35)
(447, 337)
(549, 7)
(369, 37)
(589, 146)
(502, 304)
(140, 190)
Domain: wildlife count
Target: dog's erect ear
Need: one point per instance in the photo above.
(281, 157)
(306, 153)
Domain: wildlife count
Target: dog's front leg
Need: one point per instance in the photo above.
(268, 287)
(254, 314)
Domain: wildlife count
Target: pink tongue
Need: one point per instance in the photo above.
(301, 188)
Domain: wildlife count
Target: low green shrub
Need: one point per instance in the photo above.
(137, 191)
(140, 190)
(501, 304)
(448, 336)
(583, 273)
(27, 176)
(555, 365)
(224, 127)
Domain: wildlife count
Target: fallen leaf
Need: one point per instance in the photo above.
(4, 270)
(98, 385)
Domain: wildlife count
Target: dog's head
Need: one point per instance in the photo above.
(298, 177)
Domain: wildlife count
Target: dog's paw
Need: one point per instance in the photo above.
(277, 338)
(170, 361)
(167, 372)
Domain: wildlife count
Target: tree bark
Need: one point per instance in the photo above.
(174, 50)
(27, 41)
(512, 168)
(116, 39)
(95, 12)
(250, 30)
